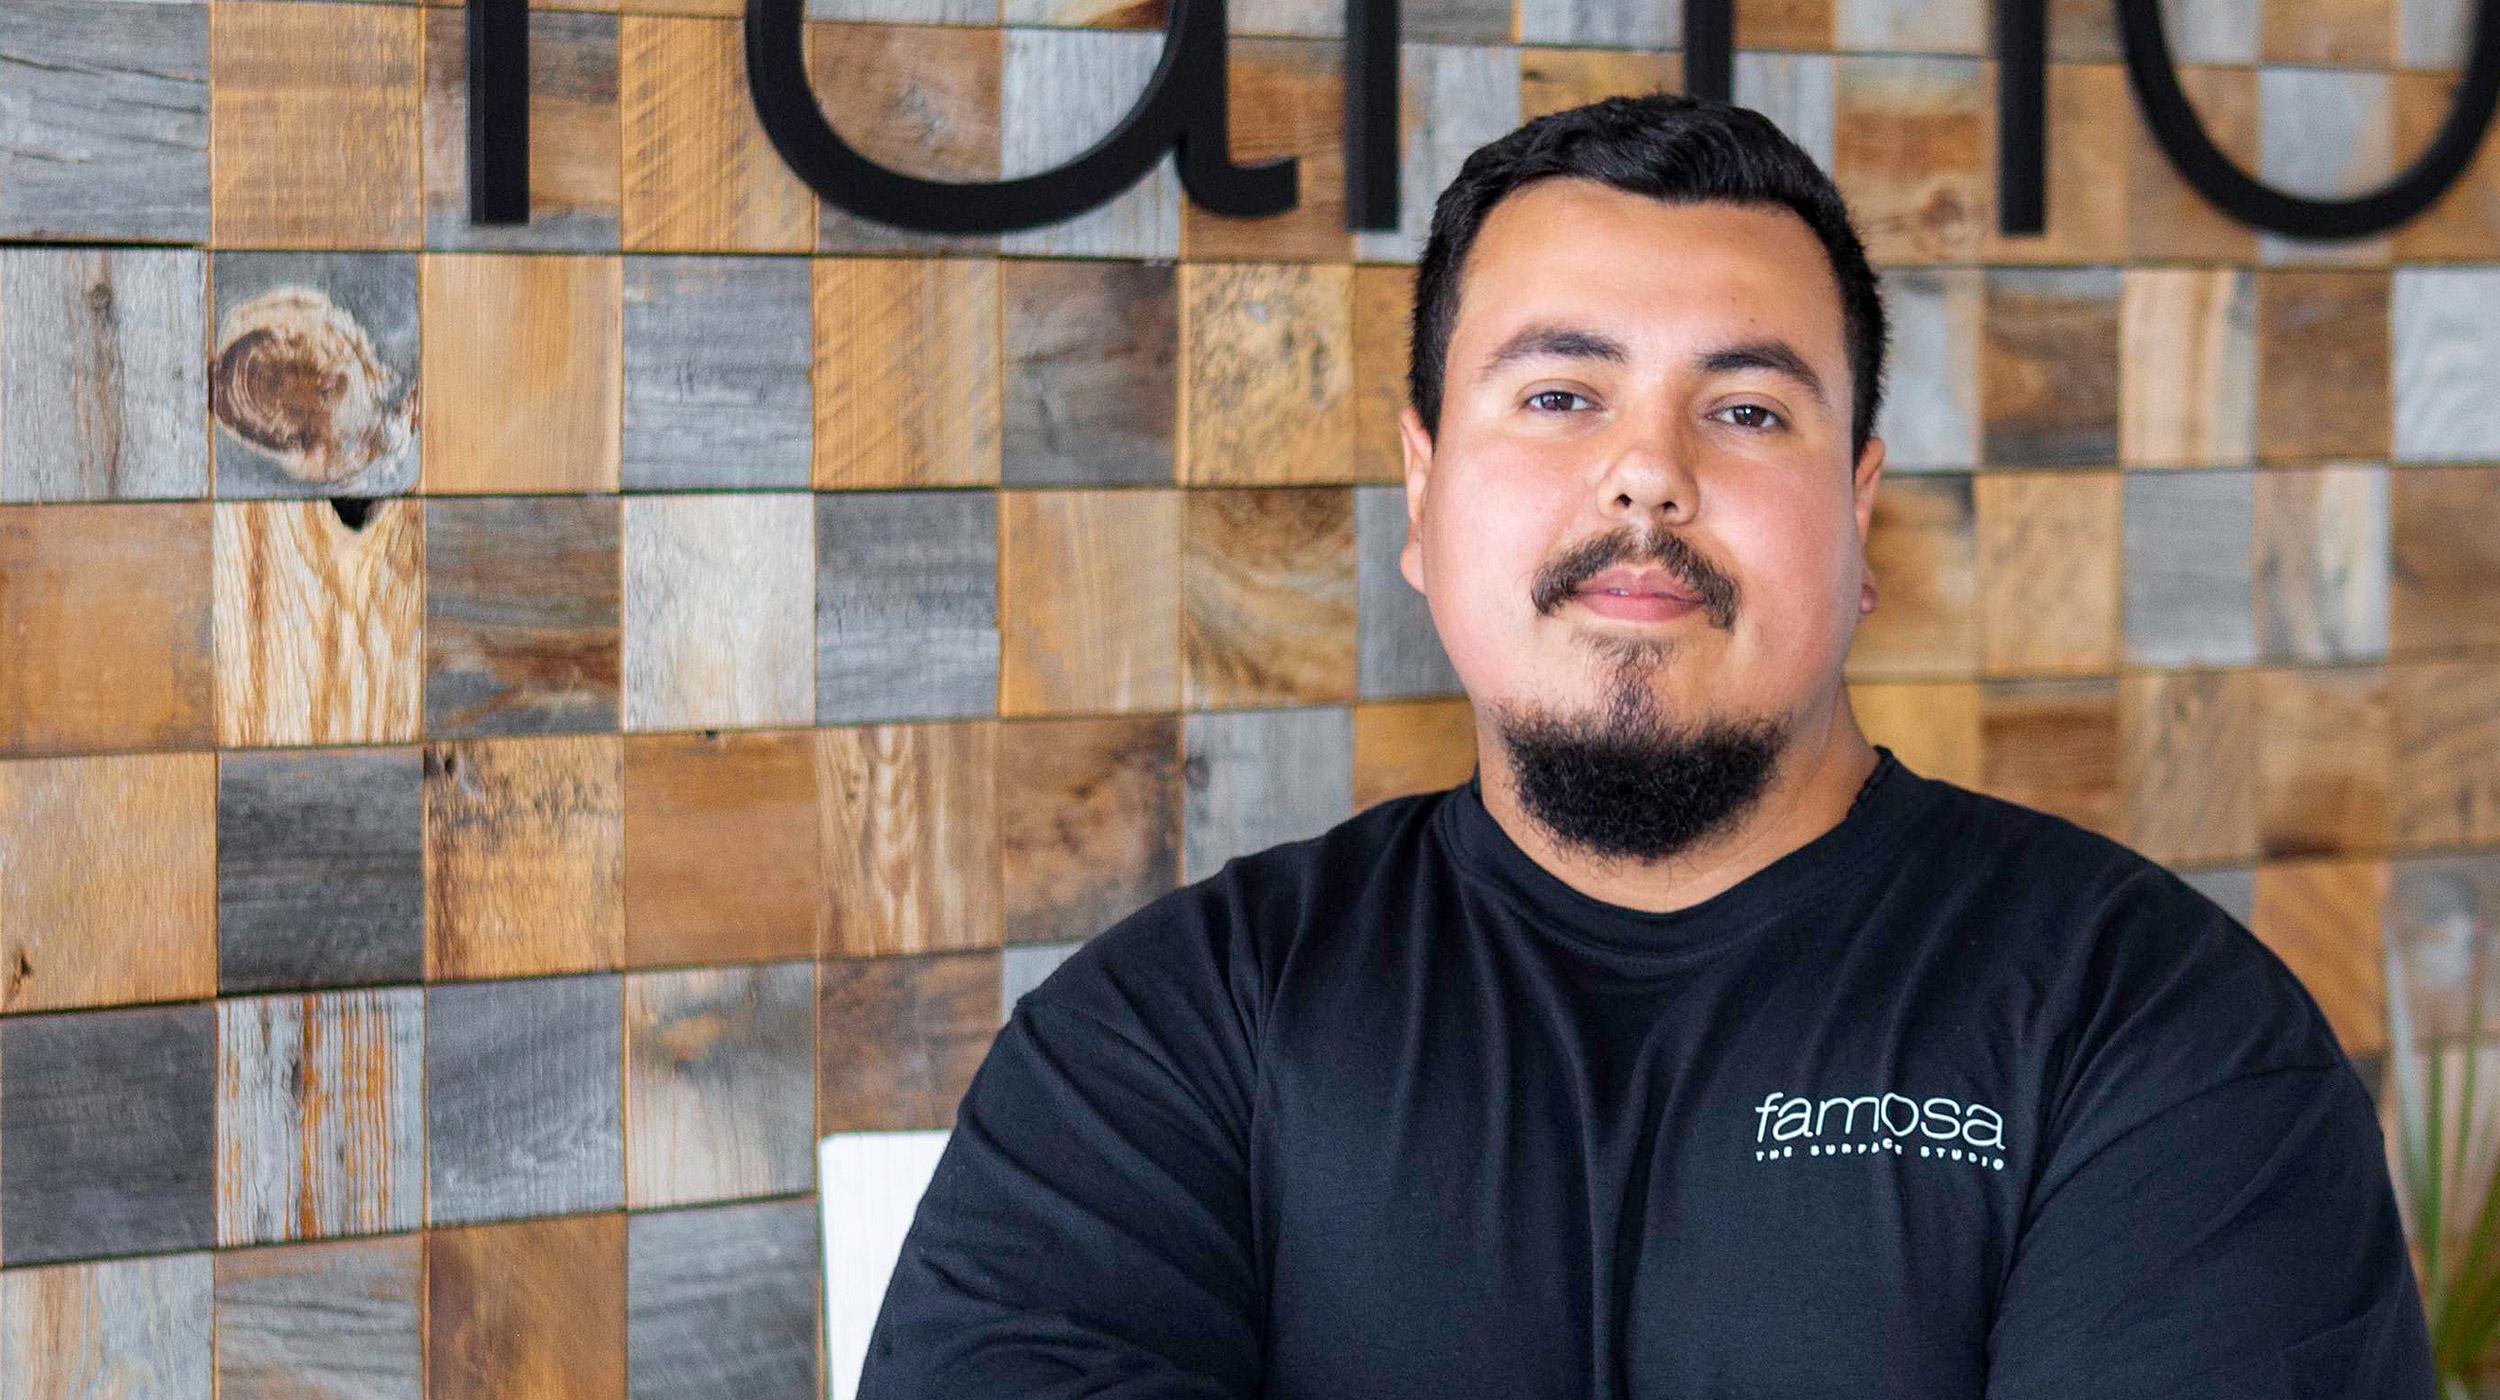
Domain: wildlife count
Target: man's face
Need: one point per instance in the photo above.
(1663, 389)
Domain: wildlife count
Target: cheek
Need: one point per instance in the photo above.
(1481, 561)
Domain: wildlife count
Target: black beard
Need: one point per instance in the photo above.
(1626, 783)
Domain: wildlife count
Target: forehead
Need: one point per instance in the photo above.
(1656, 274)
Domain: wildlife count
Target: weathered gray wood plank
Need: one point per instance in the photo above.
(906, 605)
(101, 1331)
(109, 1121)
(1399, 649)
(523, 1100)
(320, 868)
(320, 1116)
(720, 1087)
(107, 388)
(722, 1301)
(717, 358)
(336, 1320)
(718, 594)
(524, 625)
(1090, 389)
(104, 121)
(344, 321)
(1259, 777)
(2186, 571)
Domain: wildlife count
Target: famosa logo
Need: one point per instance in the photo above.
(1941, 1129)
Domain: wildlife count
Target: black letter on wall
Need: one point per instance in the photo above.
(499, 111)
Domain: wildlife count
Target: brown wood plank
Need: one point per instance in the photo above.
(314, 126)
(106, 618)
(1087, 615)
(720, 1083)
(2321, 557)
(906, 372)
(2087, 175)
(2049, 367)
(1922, 556)
(320, 1114)
(108, 880)
(2188, 759)
(1268, 609)
(576, 136)
(2445, 558)
(1405, 746)
(2187, 367)
(314, 378)
(898, 1039)
(2167, 220)
(2048, 546)
(1384, 305)
(2054, 744)
(700, 175)
(2323, 769)
(319, 622)
(532, 1308)
(1933, 727)
(1910, 153)
(2322, 365)
(524, 381)
(523, 846)
(720, 847)
(2446, 767)
(2322, 917)
(524, 615)
(1287, 101)
(908, 817)
(1102, 835)
(1267, 373)
(921, 98)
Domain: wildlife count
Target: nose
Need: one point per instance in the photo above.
(1647, 481)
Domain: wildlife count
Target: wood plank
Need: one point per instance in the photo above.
(918, 98)
(906, 605)
(1384, 307)
(2445, 358)
(1406, 746)
(338, 1319)
(1255, 778)
(320, 1114)
(116, 1327)
(1554, 79)
(720, 847)
(2049, 367)
(1930, 415)
(2464, 225)
(314, 122)
(523, 843)
(908, 817)
(108, 880)
(2323, 774)
(104, 121)
(1452, 99)
(314, 380)
(907, 372)
(722, 1300)
(524, 615)
(1060, 91)
(319, 622)
(1089, 621)
(700, 175)
(1287, 101)
(720, 1082)
(2439, 909)
(2054, 744)
(532, 1308)
(2190, 595)
(523, 376)
(2188, 760)
(1933, 727)
(717, 364)
(2048, 555)
(2167, 220)
(1922, 556)
(2322, 565)
(105, 349)
(720, 595)
(320, 868)
(1268, 598)
(1090, 381)
(1400, 649)
(109, 1120)
(898, 1039)
(2087, 179)
(2325, 132)
(1267, 373)
(1783, 24)
(1105, 827)
(1908, 25)
(107, 616)
(2322, 917)
(2322, 365)
(1795, 90)
(1644, 25)
(576, 136)
(2187, 367)
(1910, 153)
(2446, 768)
(523, 1099)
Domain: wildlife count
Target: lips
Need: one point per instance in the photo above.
(1640, 583)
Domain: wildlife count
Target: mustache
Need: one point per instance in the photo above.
(1557, 581)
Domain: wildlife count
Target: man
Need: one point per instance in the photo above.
(1694, 1046)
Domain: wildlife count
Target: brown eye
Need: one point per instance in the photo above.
(1544, 400)
(1761, 417)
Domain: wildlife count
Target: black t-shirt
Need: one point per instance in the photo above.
(1957, 1099)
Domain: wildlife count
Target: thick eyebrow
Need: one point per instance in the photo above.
(1774, 355)
(1556, 342)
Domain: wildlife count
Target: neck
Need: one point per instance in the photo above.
(1813, 784)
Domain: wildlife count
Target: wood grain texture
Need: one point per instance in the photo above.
(2342, 33)
(1267, 373)
(522, 847)
(916, 98)
(2323, 770)
(2446, 768)
(2048, 555)
(1552, 79)
(1933, 727)
(2166, 218)
(906, 605)
(320, 1114)
(1098, 829)
(532, 1308)
(719, 610)
(108, 1116)
(106, 622)
(313, 380)
(108, 880)
(336, 1320)
(524, 615)
(720, 847)
(2441, 910)
(2087, 178)
(2446, 356)
(1930, 415)
(1384, 307)
(1258, 777)
(930, 12)
(1268, 596)
(1795, 90)
(700, 175)
(105, 350)
(722, 1300)
(2054, 744)
(1060, 91)
(1647, 24)
(1085, 595)
(2463, 224)
(2187, 367)
(897, 1039)
(1909, 25)
(314, 122)
(1287, 102)
(1406, 746)
(2322, 918)
(1784, 24)
(719, 1082)
(320, 868)
(523, 372)
(2325, 133)
(2188, 760)
(1909, 152)
(908, 817)
(1089, 381)
(2049, 367)
(906, 372)
(319, 622)
(104, 121)
(1400, 650)
(717, 363)
(1452, 98)
(1922, 554)
(2322, 565)
(113, 1328)
(2322, 365)
(2189, 587)
(523, 1098)
(576, 136)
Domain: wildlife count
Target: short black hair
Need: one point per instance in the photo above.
(1675, 148)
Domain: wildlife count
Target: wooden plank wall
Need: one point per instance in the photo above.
(507, 735)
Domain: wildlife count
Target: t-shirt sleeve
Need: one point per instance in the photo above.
(1087, 1228)
(2216, 1219)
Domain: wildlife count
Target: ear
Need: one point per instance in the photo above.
(1415, 447)
(1870, 469)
